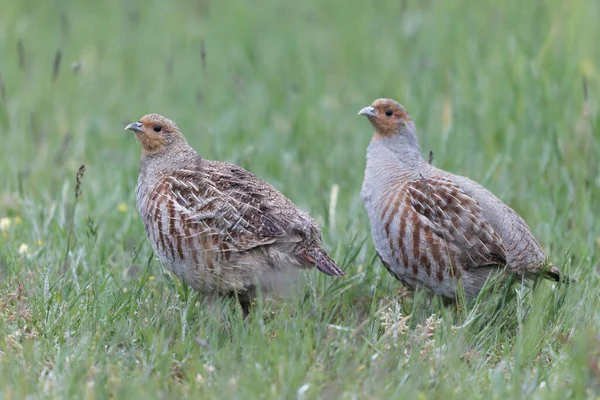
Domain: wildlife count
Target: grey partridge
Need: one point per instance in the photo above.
(215, 225)
(433, 229)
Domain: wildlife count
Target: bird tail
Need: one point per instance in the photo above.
(554, 274)
(323, 262)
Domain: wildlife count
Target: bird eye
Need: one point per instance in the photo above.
(389, 113)
(157, 128)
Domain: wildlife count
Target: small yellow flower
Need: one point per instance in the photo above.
(18, 220)
(122, 208)
(39, 242)
(4, 224)
(587, 68)
(23, 249)
(151, 277)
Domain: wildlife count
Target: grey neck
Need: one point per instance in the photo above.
(393, 159)
(166, 161)
(405, 148)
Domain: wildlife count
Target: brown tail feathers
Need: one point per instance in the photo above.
(323, 262)
(554, 274)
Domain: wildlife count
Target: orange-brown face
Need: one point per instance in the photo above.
(387, 116)
(154, 132)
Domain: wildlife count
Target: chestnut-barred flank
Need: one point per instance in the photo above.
(441, 229)
(215, 225)
(431, 228)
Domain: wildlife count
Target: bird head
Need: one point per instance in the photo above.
(156, 133)
(389, 118)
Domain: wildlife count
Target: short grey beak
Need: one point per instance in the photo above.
(136, 127)
(367, 111)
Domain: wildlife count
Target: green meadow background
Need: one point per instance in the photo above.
(503, 92)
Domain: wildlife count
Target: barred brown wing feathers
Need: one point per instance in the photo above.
(213, 202)
(447, 213)
(273, 214)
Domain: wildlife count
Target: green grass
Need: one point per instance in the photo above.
(496, 93)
